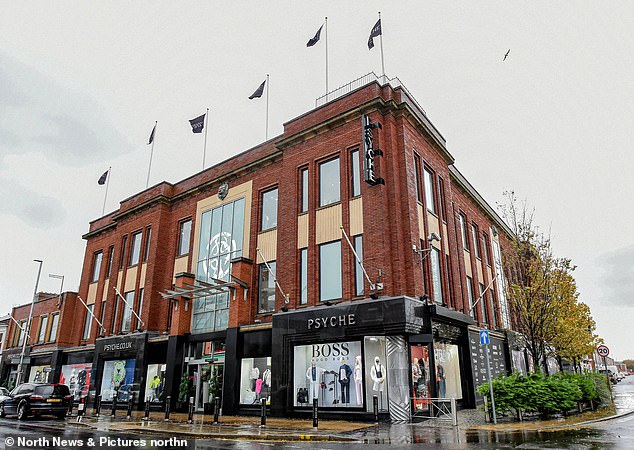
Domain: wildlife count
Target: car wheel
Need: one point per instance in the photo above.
(22, 414)
(2, 413)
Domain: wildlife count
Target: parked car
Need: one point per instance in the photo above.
(35, 399)
(123, 394)
(4, 394)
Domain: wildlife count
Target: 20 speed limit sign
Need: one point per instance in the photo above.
(603, 350)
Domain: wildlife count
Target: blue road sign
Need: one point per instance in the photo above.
(484, 337)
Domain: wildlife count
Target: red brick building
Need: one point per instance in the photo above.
(244, 279)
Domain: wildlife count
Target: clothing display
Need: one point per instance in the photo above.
(345, 372)
(377, 373)
(358, 379)
(314, 376)
(255, 374)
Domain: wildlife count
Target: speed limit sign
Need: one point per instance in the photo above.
(603, 350)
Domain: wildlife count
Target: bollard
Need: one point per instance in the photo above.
(146, 416)
(190, 413)
(168, 400)
(216, 409)
(130, 404)
(113, 411)
(70, 406)
(375, 407)
(81, 408)
(263, 417)
(98, 405)
(315, 416)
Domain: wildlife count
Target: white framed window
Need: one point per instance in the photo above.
(329, 182)
(330, 271)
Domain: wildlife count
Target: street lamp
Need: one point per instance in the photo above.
(61, 287)
(28, 325)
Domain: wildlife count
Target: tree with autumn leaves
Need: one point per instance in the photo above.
(542, 295)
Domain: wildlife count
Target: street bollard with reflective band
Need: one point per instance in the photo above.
(315, 414)
(81, 409)
(113, 412)
(216, 409)
(130, 404)
(190, 412)
(375, 408)
(263, 412)
(98, 405)
(168, 400)
(146, 415)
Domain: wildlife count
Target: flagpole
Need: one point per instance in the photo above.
(103, 210)
(382, 60)
(326, 55)
(268, 87)
(206, 122)
(151, 153)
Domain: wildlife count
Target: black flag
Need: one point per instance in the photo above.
(258, 92)
(102, 179)
(376, 31)
(198, 124)
(314, 40)
(151, 139)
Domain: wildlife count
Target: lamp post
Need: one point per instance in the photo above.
(28, 324)
(61, 287)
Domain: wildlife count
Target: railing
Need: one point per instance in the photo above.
(363, 81)
(440, 409)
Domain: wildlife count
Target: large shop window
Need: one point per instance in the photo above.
(448, 383)
(117, 379)
(420, 377)
(375, 367)
(330, 271)
(39, 374)
(255, 381)
(77, 378)
(266, 288)
(155, 382)
(330, 372)
(221, 237)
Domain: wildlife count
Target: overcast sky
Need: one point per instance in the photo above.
(81, 84)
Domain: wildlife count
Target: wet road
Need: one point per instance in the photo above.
(614, 434)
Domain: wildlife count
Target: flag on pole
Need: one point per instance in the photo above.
(376, 31)
(198, 124)
(258, 92)
(315, 39)
(102, 178)
(151, 139)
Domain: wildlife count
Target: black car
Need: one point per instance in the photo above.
(36, 399)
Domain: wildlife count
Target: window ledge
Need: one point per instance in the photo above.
(329, 205)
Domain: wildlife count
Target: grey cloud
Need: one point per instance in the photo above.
(39, 211)
(618, 276)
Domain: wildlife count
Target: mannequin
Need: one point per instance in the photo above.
(377, 373)
(266, 383)
(440, 379)
(358, 379)
(313, 375)
(255, 374)
(415, 375)
(345, 372)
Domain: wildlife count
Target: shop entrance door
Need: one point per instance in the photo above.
(207, 381)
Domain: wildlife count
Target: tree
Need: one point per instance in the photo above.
(629, 363)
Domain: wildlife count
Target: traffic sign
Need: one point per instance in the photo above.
(603, 350)
(484, 337)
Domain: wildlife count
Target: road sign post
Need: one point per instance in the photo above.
(603, 351)
(486, 340)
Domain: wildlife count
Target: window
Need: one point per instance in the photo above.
(102, 315)
(463, 231)
(124, 242)
(96, 266)
(330, 271)
(140, 310)
(127, 311)
(358, 270)
(476, 246)
(483, 304)
(441, 202)
(22, 332)
(304, 206)
(436, 277)
(135, 251)
(486, 249)
(266, 288)
(430, 200)
(52, 336)
(110, 256)
(303, 276)
(221, 237)
(470, 297)
(269, 209)
(116, 314)
(88, 322)
(494, 320)
(423, 267)
(355, 173)
(42, 333)
(147, 244)
(184, 234)
(329, 191)
(417, 179)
